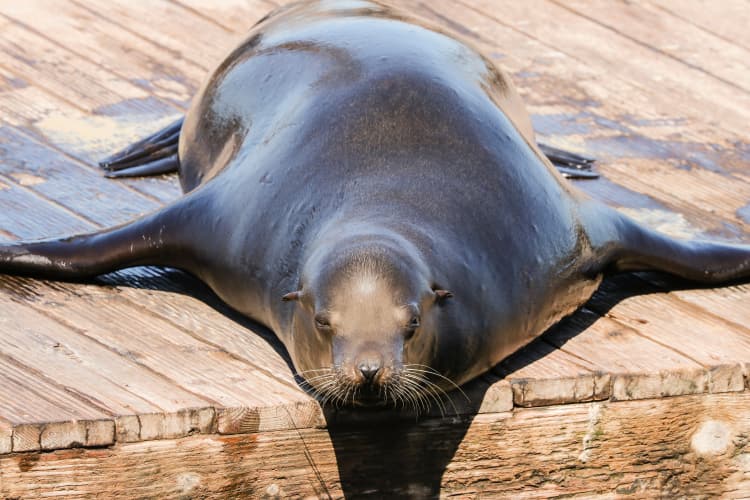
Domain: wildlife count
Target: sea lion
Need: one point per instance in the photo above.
(369, 187)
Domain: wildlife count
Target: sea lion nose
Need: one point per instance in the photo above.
(369, 368)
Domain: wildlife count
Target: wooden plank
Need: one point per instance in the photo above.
(185, 34)
(55, 177)
(541, 374)
(694, 446)
(713, 193)
(671, 36)
(639, 367)
(207, 371)
(716, 343)
(624, 59)
(82, 84)
(94, 373)
(45, 417)
(6, 436)
(124, 54)
(16, 200)
(189, 305)
(81, 137)
(729, 302)
(238, 17)
(728, 19)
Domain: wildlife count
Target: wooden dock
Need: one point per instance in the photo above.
(142, 384)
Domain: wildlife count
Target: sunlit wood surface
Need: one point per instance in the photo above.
(145, 385)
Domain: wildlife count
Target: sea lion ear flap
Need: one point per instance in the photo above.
(441, 295)
(292, 296)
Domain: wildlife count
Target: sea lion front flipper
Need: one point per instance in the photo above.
(571, 165)
(623, 245)
(156, 154)
(154, 239)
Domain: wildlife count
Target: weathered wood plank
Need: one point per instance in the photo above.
(6, 436)
(82, 84)
(44, 416)
(718, 195)
(94, 373)
(727, 19)
(639, 367)
(671, 36)
(207, 371)
(16, 200)
(189, 36)
(201, 315)
(81, 137)
(130, 57)
(588, 41)
(729, 302)
(716, 343)
(235, 16)
(676, 447)
(541, 374)
(55, 177)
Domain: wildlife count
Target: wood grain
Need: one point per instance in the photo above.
(727, 19)
(125, 55)
(672, 36)
(676, 447)
(594, 43)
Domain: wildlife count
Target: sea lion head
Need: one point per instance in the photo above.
(364, 326)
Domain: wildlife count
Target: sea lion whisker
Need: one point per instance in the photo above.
(403, 395)
(395, 396)
(431, 386)
(431, 390)
(355, 392)
(327, 390)
(415, 390)
(432, 371)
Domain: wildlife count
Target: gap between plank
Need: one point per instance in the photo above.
(80, 332)
(43, 142)
(628, 82)
(203, 16)
(50, 201)
(34, 373)
(139, 35)
(93, 62)
(650, 47)
(700, 27)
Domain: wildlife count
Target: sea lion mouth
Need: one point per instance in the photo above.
(415, 388)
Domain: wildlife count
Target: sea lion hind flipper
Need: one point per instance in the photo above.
(156, 167)
(154, 239)
(633, 247)
(571, 165)
(159, 146)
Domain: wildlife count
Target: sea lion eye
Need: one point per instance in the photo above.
(411, 327)
(413, 322)
(322, 323)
